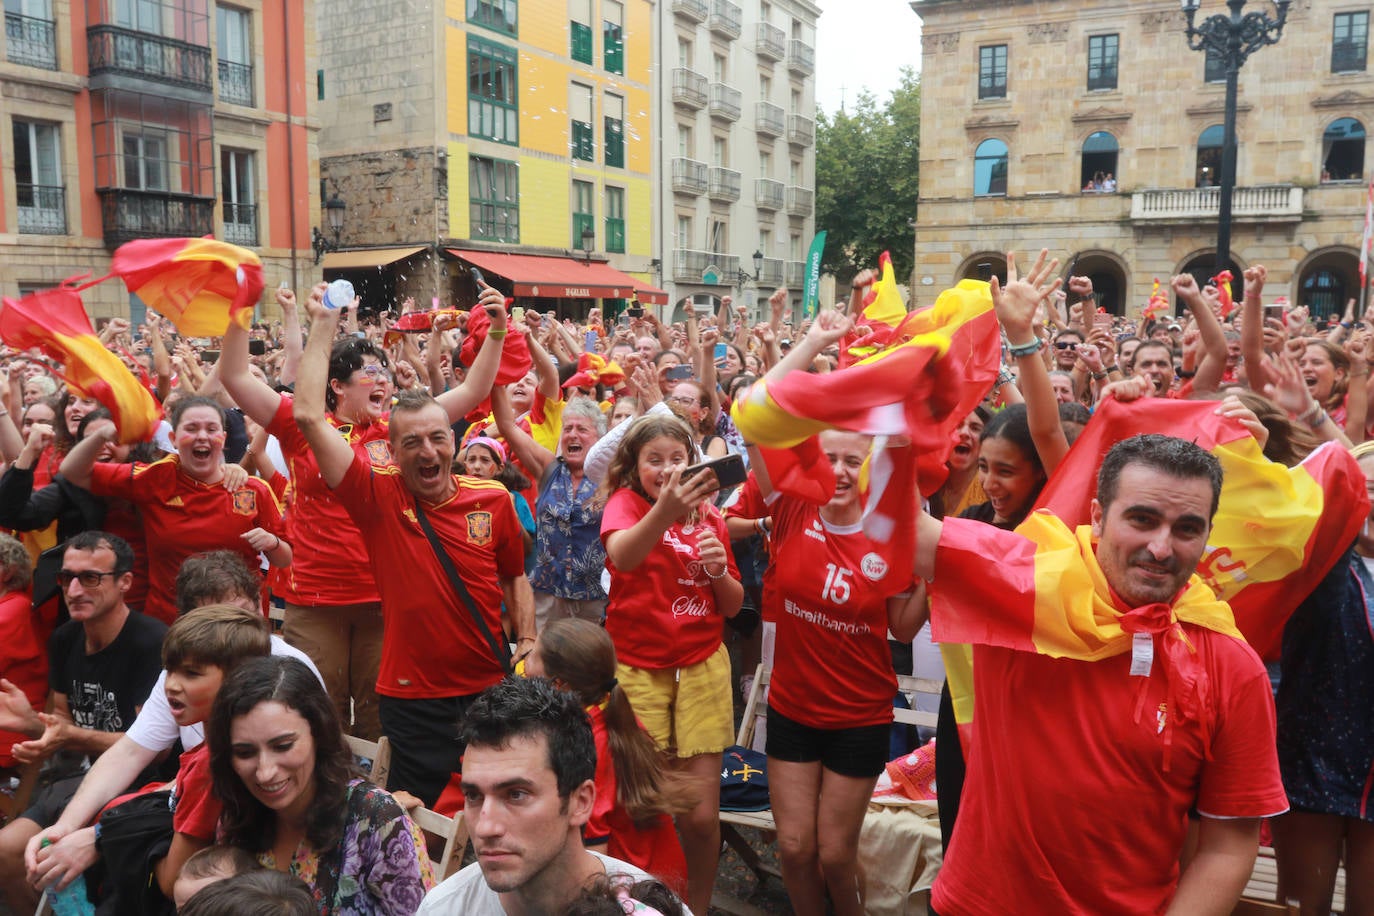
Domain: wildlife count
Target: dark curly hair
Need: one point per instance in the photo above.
(246, 821)
(347, 358)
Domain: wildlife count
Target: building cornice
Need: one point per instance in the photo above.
(1347, 99)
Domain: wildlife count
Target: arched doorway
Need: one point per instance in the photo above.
(699, 301)
(983, 266)
(1203, 267)
(1108, 276)
(1327, 279)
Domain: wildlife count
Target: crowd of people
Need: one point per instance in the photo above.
(487, 536)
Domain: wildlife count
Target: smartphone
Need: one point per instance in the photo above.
(1102, 320)
(720, 353)
(1273, 311)
(623, 320)
(257, 347)
(729, 470)
(589, 342)
(517, 313)
(212, 356)
(678, 373)
(477, 278)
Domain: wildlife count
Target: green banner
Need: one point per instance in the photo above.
(812, 289)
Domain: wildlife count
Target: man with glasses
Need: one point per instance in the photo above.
(101, 665)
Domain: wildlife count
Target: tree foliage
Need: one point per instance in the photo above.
(867, 170)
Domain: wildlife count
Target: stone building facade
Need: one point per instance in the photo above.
(1026, 102)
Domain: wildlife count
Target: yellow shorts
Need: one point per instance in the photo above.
(688, 711)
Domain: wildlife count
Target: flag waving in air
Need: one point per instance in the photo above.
(54, 321)
(883, 312)
(200, 285)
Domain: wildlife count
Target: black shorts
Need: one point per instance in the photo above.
(860, 753)
(425, 750)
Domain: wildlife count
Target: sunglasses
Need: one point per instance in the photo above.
(88, 578)
(376, 371)
(1065, 344)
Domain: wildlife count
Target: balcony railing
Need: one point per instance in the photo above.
(689, 264)
(1279, 203)
(800, 201)
(771, 272)
(42, 209)
(796, 274)
(127, 214)
(241, 224)
(689, 88)
(770, 41)
(726, 18)
(30, 41)
(801, 57)
(724, 184)
(165, 60)
(769, 119)
(725, 102)
(694, 10)
(801, 130)
(689, 176)
(236, 83)
(768, 194)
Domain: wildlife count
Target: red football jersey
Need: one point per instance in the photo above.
(182, 516)
(430, 645)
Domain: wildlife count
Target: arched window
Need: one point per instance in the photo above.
(1343, 151)
(1323, 292)
(1099, 163)
(1209, 156)
(990, 169)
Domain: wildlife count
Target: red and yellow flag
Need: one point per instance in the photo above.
(1158, 304)
(1277, 530)
(54, 321)
(200, 285)
(883, 312)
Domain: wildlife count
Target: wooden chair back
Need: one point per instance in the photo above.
(452, 830)
(378, 752)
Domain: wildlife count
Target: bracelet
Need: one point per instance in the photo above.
(496, 335)
(1099, 376)
(1314, 416)
(278, 544)
(1112, 368)
(724, 571)
(520, 639)
(1004, 377)
(1028, 349)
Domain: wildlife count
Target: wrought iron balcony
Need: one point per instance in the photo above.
(770, 41)
(726, 18)
(724, 184)
(1267, 203)
(694, 10)
(771, 272)
(154, 57)
(30, 41)
(689, 176)
(796, 274)
(725, 102)
(689, 264)
(769, 119)
(801, 57)
(689, 88)
(241, 224)
(42, 209)
(800, 201)
(768, 194)
(128, 214)
(801, 130)
(236, 83)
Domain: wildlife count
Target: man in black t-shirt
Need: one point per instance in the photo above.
(101, 665)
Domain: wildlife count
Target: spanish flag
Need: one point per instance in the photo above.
(883, 312)
(1277, 530)
(55, 322)
(200, 285)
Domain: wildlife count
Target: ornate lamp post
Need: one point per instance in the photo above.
(1232, 38)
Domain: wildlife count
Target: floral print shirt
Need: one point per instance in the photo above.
(569, 556)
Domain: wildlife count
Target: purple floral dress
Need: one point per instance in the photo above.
(379, 868)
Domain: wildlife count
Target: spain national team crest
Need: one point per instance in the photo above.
(245, 502)
(378, 452)
(479, 528)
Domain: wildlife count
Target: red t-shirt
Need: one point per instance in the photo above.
(832, 667)
(1066, 793)
(325, 543)
(656, 850)
(196, 809)
(663, 614)
(182, 516)
(430, 645)
(22, 661)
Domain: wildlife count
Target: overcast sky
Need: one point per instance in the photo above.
(862, 44)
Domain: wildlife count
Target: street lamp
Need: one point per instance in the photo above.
(334, 209)
(1232, 39)
(588, 243)
(758, 270)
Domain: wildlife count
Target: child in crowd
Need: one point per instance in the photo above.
(211, 864)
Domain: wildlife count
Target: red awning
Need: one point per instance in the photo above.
(552, 278)
(652, 295)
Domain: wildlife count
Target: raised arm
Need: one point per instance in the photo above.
(292, 342)
(76, 467)
(256, 398)
(481, 374)
(1213, 340)
(162, 360)
(331, 451)
(531, 454)
(1016, 307)
(1252, 329)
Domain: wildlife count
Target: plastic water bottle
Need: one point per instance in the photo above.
(339, 294)
(71, 900)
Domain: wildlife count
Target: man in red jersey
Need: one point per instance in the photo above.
(1091, 746)
(435, 657)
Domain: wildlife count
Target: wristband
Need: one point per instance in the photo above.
(278, 544)
(1029, 349)
(1111, 368)
(724, 571)
(496, 335)
(1187, 373)
(1314, 416)
(1099, 376)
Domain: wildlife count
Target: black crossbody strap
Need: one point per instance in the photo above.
(499, 649)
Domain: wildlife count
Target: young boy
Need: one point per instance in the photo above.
(211, 864)
(200, 651)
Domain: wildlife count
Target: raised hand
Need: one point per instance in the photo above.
(1016, 304)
